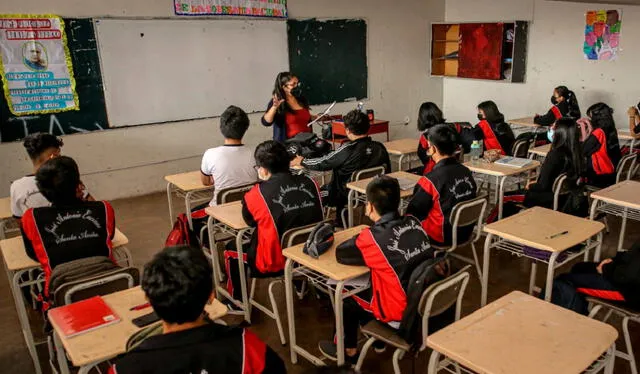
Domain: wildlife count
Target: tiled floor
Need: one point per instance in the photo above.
(145, 221)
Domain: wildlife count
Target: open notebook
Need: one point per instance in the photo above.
(513, 162)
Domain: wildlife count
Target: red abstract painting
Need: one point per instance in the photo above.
(481, 50)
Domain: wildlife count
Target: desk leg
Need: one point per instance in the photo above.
(500, 194)
(485, 269)
(611, 359)
(533, 276)
(213, 251)
(60, 353)
(548, 288)
(243, 277)
(434, 362)
(288, 288)
(594, 208)
(3, 229)
(598, 251)
(170, 201)
(623, 228)
(400, 162)
(351, 204)
(339, 323)
(187, 208)
(14, 280)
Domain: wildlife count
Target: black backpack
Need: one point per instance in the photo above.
(307, 145)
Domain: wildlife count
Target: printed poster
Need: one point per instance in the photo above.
(35, 65)
(247, 8)
(602, 34)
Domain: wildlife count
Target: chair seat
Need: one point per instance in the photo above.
(385, 333)
(618, 307)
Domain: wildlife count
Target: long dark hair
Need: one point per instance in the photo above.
(491, 112)
(281, 80)
(571, 100)
(601, 116)
(566, 139)
(429, 115)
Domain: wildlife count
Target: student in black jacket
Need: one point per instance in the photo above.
(602, 147)
(446, 185)
(634, 119)
(492, 130)
(359, 153)
(614, 279)
(391, 248)
(565, 104)
(178, 283)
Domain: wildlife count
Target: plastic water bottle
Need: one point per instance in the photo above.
(476, 151)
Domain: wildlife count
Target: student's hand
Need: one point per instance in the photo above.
(277, 101)
(297, 161)
(632, 112)
(603, 263)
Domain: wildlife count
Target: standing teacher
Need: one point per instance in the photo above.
(288, 110)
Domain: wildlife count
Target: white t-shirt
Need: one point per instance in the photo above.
(25, 195)
(230, 166)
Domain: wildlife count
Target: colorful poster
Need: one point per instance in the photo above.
(35, 65)
(246, 8)
(602, 34)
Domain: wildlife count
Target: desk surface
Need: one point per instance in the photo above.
(187, 181)
(541, 150)
(327, 264)
(5, 208)
(534, 228)
(16, 257)
(402, 146)
(230, 214)
(361, 185)
(527, 121)
(626, 135)
(624, 194)
(522, 334)
(110, 341)
(496, 170)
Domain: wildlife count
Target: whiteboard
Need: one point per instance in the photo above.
(170, 70)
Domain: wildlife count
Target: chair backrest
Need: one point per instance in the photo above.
(231, 194)
(626, 167)
(467, 213)
(560, 187)
(440, 296)
(96, 285)
(521, 148)
(297, 235)
(367, 173)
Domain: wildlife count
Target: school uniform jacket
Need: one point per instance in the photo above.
(603, 155)
(555, 163)
(59, 234)
(437, 193)
(211, 348)
(624, 273)
(423, 146)
(273, 207)
(555, 113)
(391, 248)
(352, 156)
(495, 136)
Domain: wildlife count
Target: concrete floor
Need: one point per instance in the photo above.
(145, 221)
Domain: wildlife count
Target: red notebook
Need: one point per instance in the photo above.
(83, 316)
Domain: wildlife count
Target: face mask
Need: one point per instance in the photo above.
(296, 91)
(480, 117)
(550, 133)
(554, 101)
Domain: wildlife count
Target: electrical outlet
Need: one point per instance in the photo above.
(407, 119)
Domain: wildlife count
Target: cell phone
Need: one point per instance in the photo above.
(146, 319)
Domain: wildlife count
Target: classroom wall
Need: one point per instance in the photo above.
(555, 58)
(132, 161)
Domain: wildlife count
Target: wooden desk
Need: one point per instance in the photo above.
(229, 214)
(5, 215)
(522, 334)
(328, 267)
(523, 122)
(501, 173)
(403, 148)
(93, 347)
(540, 151)
(18, 265)
(360, 187)
(542, 229)
(377, 127)
(620, 200)
(190, 186)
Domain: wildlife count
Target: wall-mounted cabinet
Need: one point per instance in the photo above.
(495, 51)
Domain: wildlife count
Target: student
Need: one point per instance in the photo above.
(178, 283)
(69, 229)
(390, 248)
(565, 104)
(281, 202)
(40, 147)
(359, 153)
(492, 130)
(601, 147)
(230, 165)
(614, 279)
(438, 192)
(288, 110)
(634, 119)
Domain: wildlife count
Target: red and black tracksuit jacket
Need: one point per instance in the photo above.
(391, 248)
(603, 154)
(495, 136)
(624, 273)
(273, 207)
(555, 113)
(423, 146)
(436, 194)
(211, 348)
(59, 234)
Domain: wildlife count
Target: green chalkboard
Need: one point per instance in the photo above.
(86, 66)
(330, 58)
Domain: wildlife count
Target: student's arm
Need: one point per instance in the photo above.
(421, 202)
(590, 145)
(348, 253)
(545, 120)
(331, 161)
(272, 111)
(207, 180)
(477, 133)
(247, 216)
(206, 176)
(624, 269)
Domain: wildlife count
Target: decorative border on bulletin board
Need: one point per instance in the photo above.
(241, 8)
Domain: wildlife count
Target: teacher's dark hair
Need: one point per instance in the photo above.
(491, 112)
(281, 80)
(429, 115)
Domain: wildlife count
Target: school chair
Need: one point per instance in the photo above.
(560, 188)
(521, 148)
(627, 315)
(627, 167)
(358, 176)
(437, 298)
(467, 213)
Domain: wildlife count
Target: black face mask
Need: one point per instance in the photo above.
(296, 92)
(554, 101)
(480, 117)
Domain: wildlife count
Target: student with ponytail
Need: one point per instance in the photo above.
(565, 104)
(492, 130)
(602, 147)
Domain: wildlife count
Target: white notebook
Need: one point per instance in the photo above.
(406, 184)
(514, 162)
